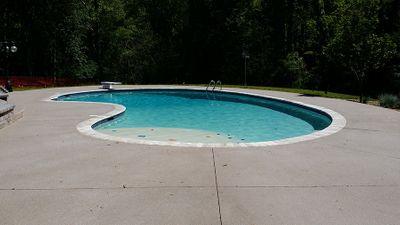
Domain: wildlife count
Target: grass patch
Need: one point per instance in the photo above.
(305, 92)
(27, 88)
(308, 92)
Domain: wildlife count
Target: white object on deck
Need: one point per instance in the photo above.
(3, 89)
(108, 84)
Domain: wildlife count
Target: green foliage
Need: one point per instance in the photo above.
(389, 101)
(256, 3)
(296, 69)
(355, 44)
(299, 43)
(132, 47)
(72, 30)
(85, 71)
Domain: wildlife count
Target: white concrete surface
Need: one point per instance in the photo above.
(52, 174)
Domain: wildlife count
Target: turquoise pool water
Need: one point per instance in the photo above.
(199, 116)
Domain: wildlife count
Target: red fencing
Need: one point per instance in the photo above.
(28, 81)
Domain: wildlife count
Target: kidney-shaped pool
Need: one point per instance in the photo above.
(181, 116)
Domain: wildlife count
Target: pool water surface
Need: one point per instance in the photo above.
(203, 117)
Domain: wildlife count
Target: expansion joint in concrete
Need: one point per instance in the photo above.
(216, 187)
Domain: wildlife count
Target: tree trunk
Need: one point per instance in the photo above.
(360, 78)
(396, 19)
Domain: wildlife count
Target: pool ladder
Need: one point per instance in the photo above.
(214, 85)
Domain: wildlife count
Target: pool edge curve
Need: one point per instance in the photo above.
(86, 127)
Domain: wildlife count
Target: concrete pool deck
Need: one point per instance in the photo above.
(52, 174)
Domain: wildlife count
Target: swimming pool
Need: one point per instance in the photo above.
(179, 116)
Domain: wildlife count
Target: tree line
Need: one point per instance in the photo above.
(350, 46)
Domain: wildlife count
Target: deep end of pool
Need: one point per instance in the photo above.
(187, 117)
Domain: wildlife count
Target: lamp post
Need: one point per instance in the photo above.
(245, 56)
(8, 47)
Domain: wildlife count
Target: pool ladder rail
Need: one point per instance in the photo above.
(214, 85)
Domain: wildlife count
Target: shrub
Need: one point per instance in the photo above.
(296, 69)
(389, 101)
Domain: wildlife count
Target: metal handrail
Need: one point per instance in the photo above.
(214, 85)
(211, 83)
(220, 85)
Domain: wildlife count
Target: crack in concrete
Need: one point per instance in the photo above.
(207, 187)
(361, 129)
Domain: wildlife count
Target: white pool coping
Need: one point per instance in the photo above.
(85, 127)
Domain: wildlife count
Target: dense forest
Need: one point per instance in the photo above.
(350, 46)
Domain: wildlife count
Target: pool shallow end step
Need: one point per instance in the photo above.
(171, 135)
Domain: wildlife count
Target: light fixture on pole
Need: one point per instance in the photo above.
(245, 56)
(8, 47)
